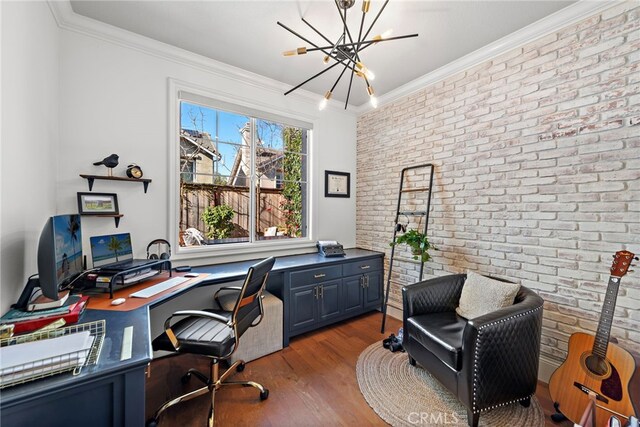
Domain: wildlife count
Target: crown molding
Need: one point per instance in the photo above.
(545, 26)
(68, 20)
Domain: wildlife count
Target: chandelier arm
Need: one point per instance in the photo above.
(318, 32)
(360, 31)
(315, 46)
(339, 77)
(314, 76)
(365, 43)
(298, 35)
(346, 103)
(375, 19)
(333, 45)
(346, 28)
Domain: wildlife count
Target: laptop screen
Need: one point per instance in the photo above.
(110, 249)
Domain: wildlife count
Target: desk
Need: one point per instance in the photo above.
(111, 393)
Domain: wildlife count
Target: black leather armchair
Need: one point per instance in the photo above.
(486, 362)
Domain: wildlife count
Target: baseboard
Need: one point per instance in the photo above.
(546, 368)
(394, 312)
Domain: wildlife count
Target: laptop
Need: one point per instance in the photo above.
(113, 253)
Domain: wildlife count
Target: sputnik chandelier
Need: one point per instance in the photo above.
(345, 51)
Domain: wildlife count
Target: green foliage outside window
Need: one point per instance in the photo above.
(218, 220)
(291, 190)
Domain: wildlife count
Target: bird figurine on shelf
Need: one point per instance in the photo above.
(110, 162)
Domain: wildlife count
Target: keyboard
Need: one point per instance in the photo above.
(159, 287)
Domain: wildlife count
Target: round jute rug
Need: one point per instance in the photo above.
(404, 395)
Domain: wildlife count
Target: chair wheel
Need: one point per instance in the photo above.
(185, 378)
(264, 395)
(152, 423)
(240, 367)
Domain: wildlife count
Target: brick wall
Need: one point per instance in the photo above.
(537, 167)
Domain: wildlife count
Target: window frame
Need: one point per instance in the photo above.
(222, 101)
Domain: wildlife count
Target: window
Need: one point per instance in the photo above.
(243, 177)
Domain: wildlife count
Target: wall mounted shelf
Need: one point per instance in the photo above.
(91, 178)
(116, 217)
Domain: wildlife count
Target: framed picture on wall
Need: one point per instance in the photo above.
(337, 184)
(98, 203)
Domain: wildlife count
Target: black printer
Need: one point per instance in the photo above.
(330, 248)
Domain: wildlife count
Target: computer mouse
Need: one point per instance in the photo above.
(118, 301)
(191, 275)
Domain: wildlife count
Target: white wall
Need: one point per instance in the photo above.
(29, 147)
(114, 99)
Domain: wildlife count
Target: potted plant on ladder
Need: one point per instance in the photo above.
(418, 243)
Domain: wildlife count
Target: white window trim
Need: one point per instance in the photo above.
(247, 250)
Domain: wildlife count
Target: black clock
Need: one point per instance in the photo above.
(134, 171)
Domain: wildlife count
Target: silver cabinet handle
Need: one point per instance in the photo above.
(367, 281)
(321, 290)
(362, 282)
(315, 292)
(364, 267)
(319, 276)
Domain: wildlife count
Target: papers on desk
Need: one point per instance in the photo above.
(44, 357)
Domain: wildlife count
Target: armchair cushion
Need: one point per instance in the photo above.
(482, 295)
(199, 335)
(441, 334)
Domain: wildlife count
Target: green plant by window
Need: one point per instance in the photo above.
(292, 204)
(418, 243)
(218, 220)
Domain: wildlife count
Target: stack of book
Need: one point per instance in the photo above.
(26, 321)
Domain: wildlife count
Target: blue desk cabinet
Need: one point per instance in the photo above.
(332, 291)
(108, 394)
(316, 291)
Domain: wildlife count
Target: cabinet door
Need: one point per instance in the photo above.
(352, 293)
(303, 307)
(373, 289)
(330, 300)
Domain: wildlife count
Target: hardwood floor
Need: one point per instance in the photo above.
(312, 383)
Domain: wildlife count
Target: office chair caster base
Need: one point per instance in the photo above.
(240, 367)
(194, 372)
(152, 423)
(264, 395)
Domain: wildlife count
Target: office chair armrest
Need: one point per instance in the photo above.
(199, 313)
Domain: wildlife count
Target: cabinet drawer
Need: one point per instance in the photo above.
(364, 266)
(315, 275)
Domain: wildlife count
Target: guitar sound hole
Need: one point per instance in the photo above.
(597, 365)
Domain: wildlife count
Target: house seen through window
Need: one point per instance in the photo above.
(242, 178)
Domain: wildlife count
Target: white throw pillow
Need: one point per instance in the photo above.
(482, 295)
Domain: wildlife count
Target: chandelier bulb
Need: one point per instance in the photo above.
(325, 100)
(374, 101)
(383, 36)
(298, 51)
(369, 74)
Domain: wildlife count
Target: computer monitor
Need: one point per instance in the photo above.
(110, 249)
(59, 253)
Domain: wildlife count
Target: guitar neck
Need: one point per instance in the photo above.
(601, 342)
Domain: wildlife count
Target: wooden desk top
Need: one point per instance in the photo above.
(103, 302)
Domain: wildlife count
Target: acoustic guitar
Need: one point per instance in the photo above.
(594, 366)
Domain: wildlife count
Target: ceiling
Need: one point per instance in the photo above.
(245, 34)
